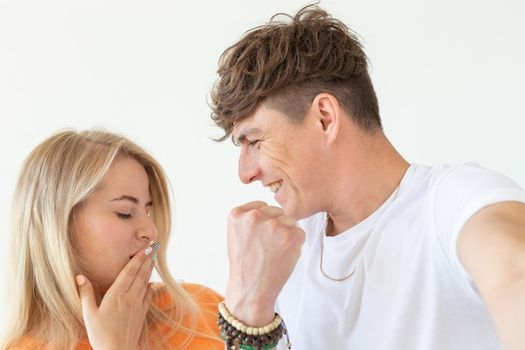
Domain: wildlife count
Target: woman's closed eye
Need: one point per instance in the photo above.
(124, 215)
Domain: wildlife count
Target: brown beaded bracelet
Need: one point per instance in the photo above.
(239, 336)
(234, 337)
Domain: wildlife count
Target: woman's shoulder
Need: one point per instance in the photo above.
(205, 330)
(204, 297)
(26, 342)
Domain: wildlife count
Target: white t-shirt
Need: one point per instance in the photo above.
(409, 291)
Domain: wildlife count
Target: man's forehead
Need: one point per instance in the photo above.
(251, 126)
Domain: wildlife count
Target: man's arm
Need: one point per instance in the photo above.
(491, 246)
(264, 245)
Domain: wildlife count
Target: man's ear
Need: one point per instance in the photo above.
(328, 115)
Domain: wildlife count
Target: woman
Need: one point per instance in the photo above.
(86, 209)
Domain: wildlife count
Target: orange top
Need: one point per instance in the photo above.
(207, 301)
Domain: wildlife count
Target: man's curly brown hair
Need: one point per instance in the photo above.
(286, 63)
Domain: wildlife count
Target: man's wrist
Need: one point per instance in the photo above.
(252, 314)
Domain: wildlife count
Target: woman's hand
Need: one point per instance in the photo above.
(117, 323)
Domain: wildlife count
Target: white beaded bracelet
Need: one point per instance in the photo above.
(247, 329)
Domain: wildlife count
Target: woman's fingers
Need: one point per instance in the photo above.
(148, 295)
(139, 285)
(87, 296)
(125, 278)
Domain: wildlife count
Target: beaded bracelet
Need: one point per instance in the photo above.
(232, 335)
(238, 336)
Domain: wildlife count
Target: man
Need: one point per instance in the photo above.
(395, 255)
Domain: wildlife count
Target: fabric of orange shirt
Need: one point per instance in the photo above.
(206, 299)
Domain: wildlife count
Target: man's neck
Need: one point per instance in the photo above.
(367, 182)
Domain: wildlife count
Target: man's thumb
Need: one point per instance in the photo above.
(87, 295)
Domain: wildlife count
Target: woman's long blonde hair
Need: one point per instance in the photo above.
(57, 176)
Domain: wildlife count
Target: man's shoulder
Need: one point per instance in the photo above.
(472, 175)
(457, 177)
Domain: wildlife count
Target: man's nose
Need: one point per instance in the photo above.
(249, 169)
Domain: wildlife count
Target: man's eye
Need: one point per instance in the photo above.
(253, 143)
(124, 216)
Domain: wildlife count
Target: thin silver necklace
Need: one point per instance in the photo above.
(325, 227)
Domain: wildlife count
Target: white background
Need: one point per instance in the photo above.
(449, 76)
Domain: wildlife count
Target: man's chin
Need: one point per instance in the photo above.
(293, 212)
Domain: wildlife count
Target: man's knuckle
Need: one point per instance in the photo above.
(254, 216)
(273, 225)
(236, 211)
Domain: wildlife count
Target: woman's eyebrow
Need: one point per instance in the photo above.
(130, 199)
